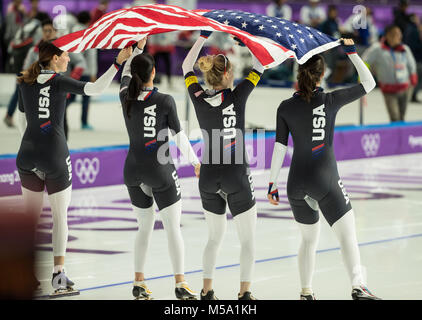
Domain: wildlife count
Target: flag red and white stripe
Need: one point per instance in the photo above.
(124, 27)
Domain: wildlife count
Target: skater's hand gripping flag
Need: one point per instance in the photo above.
(271, 40)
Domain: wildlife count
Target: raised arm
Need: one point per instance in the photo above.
(365, 75)
(126, 73)
(70, 85)
(99, 86)
(345, 96)
(193, 54)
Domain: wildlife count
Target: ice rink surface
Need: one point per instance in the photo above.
(385, 195)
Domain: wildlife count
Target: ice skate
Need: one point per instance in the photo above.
(140, 291)
(363, 293)
(63, 286)
(183, 292)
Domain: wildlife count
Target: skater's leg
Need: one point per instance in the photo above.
(59, 204)
(306, 213)
(306, 255)
(246, 225)
(345, 231)
(146, 219)
(170, 217)
(217, 224)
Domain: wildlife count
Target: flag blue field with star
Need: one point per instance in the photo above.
(304, 41)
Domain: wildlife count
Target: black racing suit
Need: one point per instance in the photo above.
(43, 158)
(225, 174)
(149, 171)
(313, 170)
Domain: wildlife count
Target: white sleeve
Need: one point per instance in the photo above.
(365, 75)
(192, 55)
(21, 122)
(185, 147)
(126, 68)
(276, 162)
(102, 83)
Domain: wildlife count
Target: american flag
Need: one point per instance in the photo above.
(302, 40)
(123, 27)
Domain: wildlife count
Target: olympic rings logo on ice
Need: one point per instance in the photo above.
(370, 144)
(87, 169)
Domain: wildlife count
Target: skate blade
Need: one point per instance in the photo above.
(59, 293)
(188, 298)
(144, 298)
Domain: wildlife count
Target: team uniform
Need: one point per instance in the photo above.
(314, 183)
(150, 118)
(313, 171)
(43, 159)
(225, 174)
(149, 174)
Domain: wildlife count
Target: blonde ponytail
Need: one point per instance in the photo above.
(213, 68)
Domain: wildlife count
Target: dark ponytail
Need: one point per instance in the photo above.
(47, 51)
(309, 75)
(141, 69)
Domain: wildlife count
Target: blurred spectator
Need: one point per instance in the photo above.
(186, 4)
(64, 23)
(331, 26)
(34, 9)
(89, 73)
(48, 33)
(413, 39)
(279, 9)
(25, 38)
(363, 28)
(161, 47)
(395, 68)
(99, 10)
(15, 18)
(335, 59)
(312, 14)
(401, 17)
